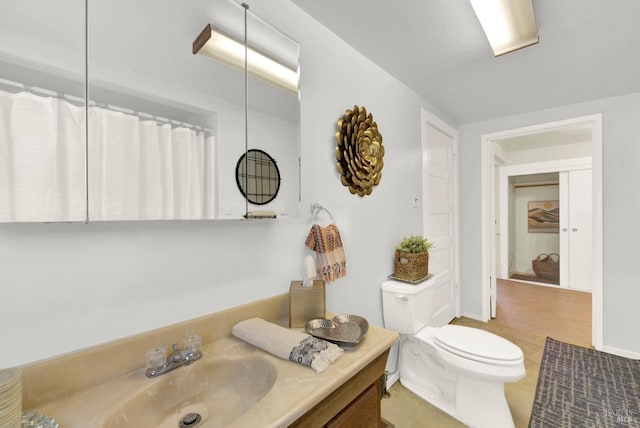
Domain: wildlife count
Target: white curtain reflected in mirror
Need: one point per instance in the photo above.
(42, 158)
(145, 170)
(42, 116)
(138, 169)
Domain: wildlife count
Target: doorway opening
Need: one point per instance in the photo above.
(532, 218)
(547, 172)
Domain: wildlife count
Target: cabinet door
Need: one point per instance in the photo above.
(363, 412)
(580, 230)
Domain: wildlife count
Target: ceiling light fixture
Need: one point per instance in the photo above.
(508, 24)
(217, 45)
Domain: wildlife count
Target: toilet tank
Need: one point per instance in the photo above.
(407, 308)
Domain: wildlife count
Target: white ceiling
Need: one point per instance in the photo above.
(588, 50)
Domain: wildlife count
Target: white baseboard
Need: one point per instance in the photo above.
(392, 378)
(621, 352)
(472, 316)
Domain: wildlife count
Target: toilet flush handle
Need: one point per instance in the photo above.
(403, 299)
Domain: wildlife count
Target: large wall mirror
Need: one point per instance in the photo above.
(164, 126)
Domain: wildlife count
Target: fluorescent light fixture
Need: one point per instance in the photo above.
(217, 45)
(508, 24)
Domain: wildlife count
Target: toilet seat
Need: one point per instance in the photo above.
(473, 344)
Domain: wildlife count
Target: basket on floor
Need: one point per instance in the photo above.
(547, 266)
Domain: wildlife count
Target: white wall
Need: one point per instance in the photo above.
(529, 245)
(621, 173)
(542, 154)
(69, 286)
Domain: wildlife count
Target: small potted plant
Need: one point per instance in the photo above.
(412, 259)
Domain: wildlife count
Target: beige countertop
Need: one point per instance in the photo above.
(296, 388)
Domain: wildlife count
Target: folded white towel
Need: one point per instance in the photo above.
(288, 344)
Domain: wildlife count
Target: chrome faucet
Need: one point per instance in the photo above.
(178, 358)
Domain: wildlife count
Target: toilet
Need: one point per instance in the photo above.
(461, 370)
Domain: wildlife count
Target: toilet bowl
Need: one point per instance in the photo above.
(461, 370)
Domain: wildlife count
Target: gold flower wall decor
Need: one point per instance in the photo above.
(359, 151)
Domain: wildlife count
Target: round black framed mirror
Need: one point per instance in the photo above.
(258, 177)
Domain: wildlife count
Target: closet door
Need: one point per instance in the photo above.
(580, 230)
(563, 178)
(576, 249)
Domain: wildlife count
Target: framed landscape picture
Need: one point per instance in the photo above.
(544, 216)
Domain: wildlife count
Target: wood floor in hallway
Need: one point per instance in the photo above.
(526, 315)
(547, 310)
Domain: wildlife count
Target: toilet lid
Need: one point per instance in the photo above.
(477, 344)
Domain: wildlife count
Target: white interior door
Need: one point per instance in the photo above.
(439, 211)
(497, 264)
(563, 178)
(580, 230)
(576, 230)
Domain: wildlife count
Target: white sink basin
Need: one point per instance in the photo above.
(218, 390)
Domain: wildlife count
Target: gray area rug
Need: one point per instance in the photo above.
(581, 387)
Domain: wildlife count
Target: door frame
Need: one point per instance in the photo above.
(488, 212)
(444, 127)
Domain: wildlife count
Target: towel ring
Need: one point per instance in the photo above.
(316, 209)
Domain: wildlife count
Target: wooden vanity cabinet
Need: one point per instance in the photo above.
(362, 412)
(354, 404)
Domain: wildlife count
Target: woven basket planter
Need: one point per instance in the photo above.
(547, 266)
(411, 266)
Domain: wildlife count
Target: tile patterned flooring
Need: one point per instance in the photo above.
(547, 311)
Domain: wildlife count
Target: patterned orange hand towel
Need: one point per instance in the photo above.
(327, 244)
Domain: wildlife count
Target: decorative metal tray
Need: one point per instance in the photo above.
(343, 329)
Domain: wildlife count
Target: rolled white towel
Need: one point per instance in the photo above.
(288, 344)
